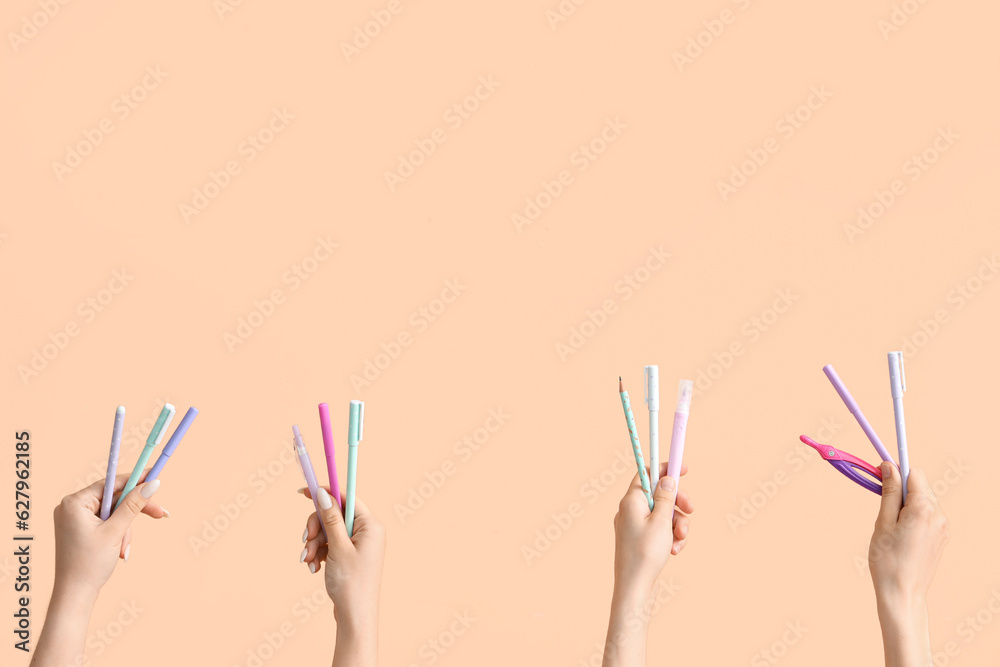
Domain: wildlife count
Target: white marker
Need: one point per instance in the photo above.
(652, 376)
(897, 384)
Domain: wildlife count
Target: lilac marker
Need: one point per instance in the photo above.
(852, 405)
(175, 439)
(309, 474)
(109, 480)
(684, 391)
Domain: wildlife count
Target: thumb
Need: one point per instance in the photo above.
(132, 506)
(329, 514)
(664, 497)
(892, 496)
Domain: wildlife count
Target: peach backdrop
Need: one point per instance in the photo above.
(618, 185)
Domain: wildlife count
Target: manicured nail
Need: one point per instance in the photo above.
(325, 501)
(312, 567)
(303, 556)
(302, 491)
(166, 514)
(149, 488)
(667, 483)
(684, 532)
(305, 534)
(127, 550)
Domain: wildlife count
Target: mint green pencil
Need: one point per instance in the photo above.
(636, 448)
(355, 431)
(155, 436)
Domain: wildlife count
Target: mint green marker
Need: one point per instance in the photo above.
(355, 431)
(154, 438)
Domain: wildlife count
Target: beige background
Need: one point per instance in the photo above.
(656, 185)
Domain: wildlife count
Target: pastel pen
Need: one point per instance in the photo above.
(175, 439)
(155, 435)
(109, 480)
(310, 476)
(331, 459)
(684, 391)
(897, 385)
(355, 431)
(636, 447)
(852, 405)
(652, 377)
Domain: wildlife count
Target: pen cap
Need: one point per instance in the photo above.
(684, 390)
(897, 374)
(355, 426)
(182, 428)
(652, 375)
(160, 427)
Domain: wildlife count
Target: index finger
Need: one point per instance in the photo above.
(90, 496)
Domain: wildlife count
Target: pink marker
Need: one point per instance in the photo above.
(684, 391)
(331, 459)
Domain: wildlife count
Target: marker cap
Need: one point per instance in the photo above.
(652, 375)
(684, 390)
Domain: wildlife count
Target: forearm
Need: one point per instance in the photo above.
(64, 634)
(357, 641)
(625, 645)
(905, 634)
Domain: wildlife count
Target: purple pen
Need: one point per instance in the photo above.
(852, 405)
(331, 459)
(309, 474)
(175, 439)
(109, 480)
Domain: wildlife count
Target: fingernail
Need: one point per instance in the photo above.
(302, 490)
(166, 514)
(312, 567)
(149, 488)
(325, 501)
(305, 534)
(127, 550)
(684, 532)
(303, 556)
(667, 483)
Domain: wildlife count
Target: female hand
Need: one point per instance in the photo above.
(87, 548)
(644, 539)
(353, 564)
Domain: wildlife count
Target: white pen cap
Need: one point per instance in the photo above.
(652, 375)
(897, 374)
(684, 391)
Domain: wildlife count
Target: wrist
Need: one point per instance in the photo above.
(357, 624)
(631, 601)
(75, 595)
